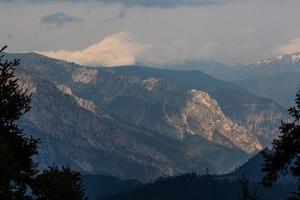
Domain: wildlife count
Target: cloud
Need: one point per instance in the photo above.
(165, 3)
(58, 19)
(123, 49)
(122, 13)
(117, 49)
(145, 3)
(292, 46)
(176, 52)
(248, 30)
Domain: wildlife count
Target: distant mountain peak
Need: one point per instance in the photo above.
(287, 59)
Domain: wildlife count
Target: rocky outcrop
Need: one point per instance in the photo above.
(88, 105)
(203, 114)
(85, 75)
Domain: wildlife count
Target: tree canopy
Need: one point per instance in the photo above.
(19, 177)
(16, 150)
(284, 157)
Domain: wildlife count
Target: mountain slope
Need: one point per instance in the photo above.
(107, 122)
(260, 115)
(212, 187)
(264, 68)
(76, 130)
(98, 186)
(193, 187)
(276, 78)
(281, 87)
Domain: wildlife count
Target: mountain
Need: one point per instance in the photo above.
(276, 78)
(279, 79)
(212, 187)
(260, 115)
(239, 71)
(252, 170)
(98, 186)
(194, 187)
(280, 87)
(135, 122)
(217, 70)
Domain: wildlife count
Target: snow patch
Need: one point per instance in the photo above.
(295, 58)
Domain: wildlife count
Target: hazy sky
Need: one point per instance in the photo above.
(154, 32)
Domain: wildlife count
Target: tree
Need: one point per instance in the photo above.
(246, 194)
(17, 169)
(18, 172)
(55, 184)
(284, 157)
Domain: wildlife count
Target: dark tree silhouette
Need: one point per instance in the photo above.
(194, 187)
(17, 169)
(18, 172)
(55, 184)
(284, 157)
(246, 193)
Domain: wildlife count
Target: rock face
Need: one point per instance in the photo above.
(260, 116)
(138, 122)
(203, 114)
(84, 75)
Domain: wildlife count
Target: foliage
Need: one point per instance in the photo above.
(284, 158)
(16, 150)
(54, 183)
(194, 187)
(246, 193)
(18, 172)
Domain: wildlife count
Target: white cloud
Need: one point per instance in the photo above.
(233, 27)
(292, 46)
(114, 50)
(123, 49)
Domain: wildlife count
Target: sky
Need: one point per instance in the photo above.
(151, 32)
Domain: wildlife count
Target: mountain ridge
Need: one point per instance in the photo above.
(124, 117)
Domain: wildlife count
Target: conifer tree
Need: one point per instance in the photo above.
(17, 169)
(56, 184)
(284, 157)
(246, 193)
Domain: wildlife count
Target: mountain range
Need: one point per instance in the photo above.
(213, 187)
(276, 78)
(140, 122)
(192, 186)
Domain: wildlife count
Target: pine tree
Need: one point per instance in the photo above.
(17, 169)
(284, 157)
(246, 194)
(55, 184)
